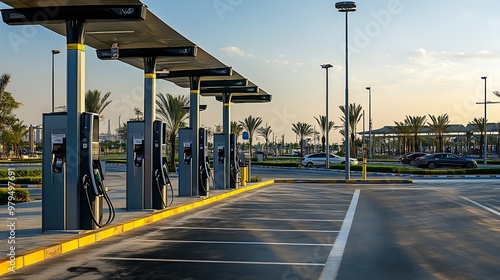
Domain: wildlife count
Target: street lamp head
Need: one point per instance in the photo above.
(484, 78)
(346, 6)
(368, 88)
(55, 51)
(326, 66)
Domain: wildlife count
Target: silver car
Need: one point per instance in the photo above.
(319, 159)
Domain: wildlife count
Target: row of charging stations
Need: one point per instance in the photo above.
(137, 190)
(91, 191)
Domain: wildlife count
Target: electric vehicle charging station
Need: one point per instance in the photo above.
(54, 213)
(137, 189)
(234, 174)
(185, 158)
(186, 186)
(135, 157)
(205, 172)
(161, 179)
(220, 159)
(91, 190)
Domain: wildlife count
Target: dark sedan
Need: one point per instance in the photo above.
(444, 160)
(410, 158)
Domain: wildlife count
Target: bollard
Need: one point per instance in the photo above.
(363, 176)
(244, 176)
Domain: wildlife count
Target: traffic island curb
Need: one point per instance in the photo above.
(17, 261)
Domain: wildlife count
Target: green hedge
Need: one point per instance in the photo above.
(277, 163)
(20, 195)
(18, 160)
(23, 180)
(21, 173)
(117, 160)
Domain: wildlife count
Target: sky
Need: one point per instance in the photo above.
(419, 58)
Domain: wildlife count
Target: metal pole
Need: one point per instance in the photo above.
(485, 124)
(370, 153)
(327, 146)
(347, 146)
(53, 81)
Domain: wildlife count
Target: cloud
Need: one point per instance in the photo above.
(235, 51)
(426, 58)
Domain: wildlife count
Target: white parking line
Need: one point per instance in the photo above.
(253, 229)
(333, 262)
(278, 209)
(482, 206)
(298, 220)
(232, 242)
(208, 261)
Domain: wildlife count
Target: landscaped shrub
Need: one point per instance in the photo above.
(20, 195)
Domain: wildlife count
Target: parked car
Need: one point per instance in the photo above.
(319, 159)
(444, 160)
(410, 158)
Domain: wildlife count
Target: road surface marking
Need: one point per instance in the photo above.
(298, 220)
(209, 261)
(231, 242)
(482, 206)
(280, 209)
(333, 262)
(253, 229)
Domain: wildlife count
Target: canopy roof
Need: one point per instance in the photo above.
(151, 32)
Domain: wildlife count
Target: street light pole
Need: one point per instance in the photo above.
(485, 124)
(327, 147)
(346, 6)
(54, 52)
(370, 154)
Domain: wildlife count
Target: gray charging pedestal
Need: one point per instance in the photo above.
(185, 154)
(219, 159)
(54, 172)
(135, 157)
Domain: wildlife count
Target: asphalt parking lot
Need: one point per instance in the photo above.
(431, 229)
(272, 233)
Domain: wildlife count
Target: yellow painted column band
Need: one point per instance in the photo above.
(195, 91)
(150, 76)
(75, 46)
(226, 104)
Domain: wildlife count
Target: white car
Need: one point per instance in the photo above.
(319, 159)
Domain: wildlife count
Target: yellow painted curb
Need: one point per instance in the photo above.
(69, 245)
(90, 237)
(34, 257)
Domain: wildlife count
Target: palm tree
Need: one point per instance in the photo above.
(18, 131)
(171, 110)
(236, 128)
(302, 130)
(403, 132)
(265, 132)
(355, 114)
(4, 81)
(415, 125)
(251, 124)
(479, 124)
(94, 103)
(439, 127)
(322, 123)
